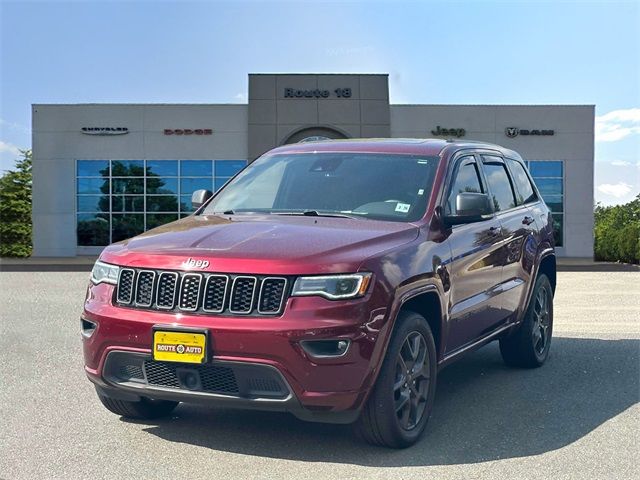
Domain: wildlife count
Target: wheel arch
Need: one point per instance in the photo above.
(427, 303)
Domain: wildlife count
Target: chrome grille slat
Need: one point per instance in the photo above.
(166, 290)
(190, 292)
(240, 302)
(126, 278)
(215, 293)
(144, 288)
(201, 293)
(272, 290)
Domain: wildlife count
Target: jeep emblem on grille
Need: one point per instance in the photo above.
(192, 263)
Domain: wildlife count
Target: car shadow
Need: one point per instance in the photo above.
(483, 411)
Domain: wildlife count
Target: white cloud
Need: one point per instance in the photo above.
(8, 148)
(241, 97)
(618, 124)
(621, 163)
(617, 190)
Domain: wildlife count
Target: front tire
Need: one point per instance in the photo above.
(528, 346)
(145, 408)
(400, 404)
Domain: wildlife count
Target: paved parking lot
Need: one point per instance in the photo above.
(577, 417)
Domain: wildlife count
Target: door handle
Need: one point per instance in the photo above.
(527, 220)
(493, 231)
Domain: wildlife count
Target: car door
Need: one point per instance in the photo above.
(476, 262)
(518, 227)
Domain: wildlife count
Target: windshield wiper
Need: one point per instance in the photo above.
(315, 213)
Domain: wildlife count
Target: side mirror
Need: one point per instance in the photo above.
(470, 207)
(199, 197)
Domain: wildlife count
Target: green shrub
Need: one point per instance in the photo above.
(15, 209)
(617, 232)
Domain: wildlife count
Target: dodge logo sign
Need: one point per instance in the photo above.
(188, 131)
(512, 132)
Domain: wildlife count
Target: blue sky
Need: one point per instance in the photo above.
(434, 52)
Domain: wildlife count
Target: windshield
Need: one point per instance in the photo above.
(379, 186)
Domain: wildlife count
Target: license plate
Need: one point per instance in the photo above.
(183, 347)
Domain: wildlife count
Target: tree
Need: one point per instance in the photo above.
(15, 209)
(617, 232)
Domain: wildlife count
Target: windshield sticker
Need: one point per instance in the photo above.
(402, 207)
(421, 191)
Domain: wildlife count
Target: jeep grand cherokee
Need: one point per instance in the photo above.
(331, 280)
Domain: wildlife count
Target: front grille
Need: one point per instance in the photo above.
(201, 293)
(214, 379)
(238, 379)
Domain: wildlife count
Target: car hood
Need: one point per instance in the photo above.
(262, 244)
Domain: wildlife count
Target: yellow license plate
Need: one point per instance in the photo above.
(184, 347)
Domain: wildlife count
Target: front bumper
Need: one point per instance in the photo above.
(264, 355)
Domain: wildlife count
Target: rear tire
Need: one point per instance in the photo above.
(145, 408)
(528, 346)
(400, 404)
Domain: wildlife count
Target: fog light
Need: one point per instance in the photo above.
(87, 327)
(326, 348)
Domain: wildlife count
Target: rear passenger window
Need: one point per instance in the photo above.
(467, 180)
(499, 186)
(526, 193)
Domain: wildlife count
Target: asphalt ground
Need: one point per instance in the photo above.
(576, 417)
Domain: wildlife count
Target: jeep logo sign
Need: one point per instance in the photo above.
(193, 263)
(448, 132)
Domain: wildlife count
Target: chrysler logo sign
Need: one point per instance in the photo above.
(104, 130)
(513, 132)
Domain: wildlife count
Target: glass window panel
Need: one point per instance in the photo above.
(162, 203)
(549, 186)
(185, 203)
(162, 168)
(92, 203)
(93, 230)
(126, 225)
(92, 168)
(558, 228)
(219, 182)
(554, 202)
(157, 219)
(196, 168)
(127, 203)
(127, 168)
(162, 186)
(228, 168)
(499, 186)
(184, 215)
(190, 185)
(525, 191)
(545, 168)
(467, 180)
(92, 185)
(127, 186)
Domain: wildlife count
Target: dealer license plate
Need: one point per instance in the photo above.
(183, 347)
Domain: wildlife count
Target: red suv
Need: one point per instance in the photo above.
(328, 279)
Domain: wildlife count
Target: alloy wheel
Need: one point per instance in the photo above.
(541, 321)
(411, 385)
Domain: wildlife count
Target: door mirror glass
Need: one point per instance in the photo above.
(470, 207)
(199, 197)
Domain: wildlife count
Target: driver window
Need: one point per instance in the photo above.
(467, 179)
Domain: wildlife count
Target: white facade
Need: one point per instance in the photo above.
(59, 144)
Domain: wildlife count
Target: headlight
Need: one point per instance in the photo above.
(333, 287)
(103, 272)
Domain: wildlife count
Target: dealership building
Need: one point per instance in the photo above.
(105, 172)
